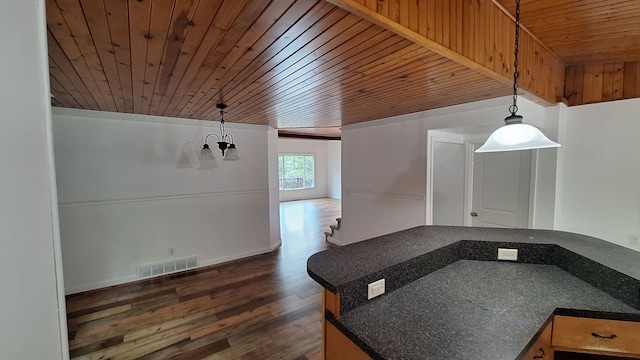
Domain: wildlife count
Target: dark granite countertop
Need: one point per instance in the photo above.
(405, 256)
(471, 310)
(432, 279)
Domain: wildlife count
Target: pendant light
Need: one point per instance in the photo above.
(515, 135)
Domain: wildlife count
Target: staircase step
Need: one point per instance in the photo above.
(333, 233)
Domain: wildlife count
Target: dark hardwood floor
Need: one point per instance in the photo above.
(264, 307)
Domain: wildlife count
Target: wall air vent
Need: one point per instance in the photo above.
(166, 267)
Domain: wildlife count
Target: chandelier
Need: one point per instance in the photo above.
(224, 140)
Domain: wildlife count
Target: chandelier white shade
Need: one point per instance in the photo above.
(207, 160)
(206, 153)
(232, 153)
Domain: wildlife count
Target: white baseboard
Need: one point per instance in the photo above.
(224, 259)
(132, 278)
(335, 241)
(100, 284)
(276, 245)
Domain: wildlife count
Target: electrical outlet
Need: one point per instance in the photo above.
(508, 254)
(634, 239)
(376, 288)
(172, 251)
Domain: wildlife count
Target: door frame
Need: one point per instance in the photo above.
(470, 147)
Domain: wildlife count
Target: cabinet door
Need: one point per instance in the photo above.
(596, 336)
(541, 349)
(340, 347)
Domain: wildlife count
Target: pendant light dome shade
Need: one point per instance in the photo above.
(516, 136)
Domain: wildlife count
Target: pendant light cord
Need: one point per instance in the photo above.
(514, 108)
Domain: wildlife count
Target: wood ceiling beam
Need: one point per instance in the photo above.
(477, 34)
(600, 82)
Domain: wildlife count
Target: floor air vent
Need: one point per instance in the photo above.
(166, 267)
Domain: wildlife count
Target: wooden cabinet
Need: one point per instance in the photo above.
(340, 347)
(331, 302)
(336, 345)
(596, 336)
(541, 348)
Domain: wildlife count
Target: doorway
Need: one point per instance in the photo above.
(484, 190)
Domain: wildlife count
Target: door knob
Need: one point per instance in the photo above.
(474, 214)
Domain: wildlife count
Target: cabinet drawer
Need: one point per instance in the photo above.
(596, 335)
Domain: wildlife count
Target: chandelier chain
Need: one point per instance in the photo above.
(222, 134)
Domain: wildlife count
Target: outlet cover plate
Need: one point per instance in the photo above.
(508, 254)
(375, 288)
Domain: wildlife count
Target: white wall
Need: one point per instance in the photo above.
(124, 202)
(334, 169)
(542, 205)
(327, 162)
(599, 171)
(384, 182)
(588, 186)
(274, 193)
(32, 305)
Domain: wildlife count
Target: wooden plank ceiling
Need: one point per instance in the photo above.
(599, 42)
(584, 31)
(290, 64)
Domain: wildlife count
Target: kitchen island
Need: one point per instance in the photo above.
(446, 297)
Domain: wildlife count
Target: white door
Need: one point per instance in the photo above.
(501, 189)
(448, 183)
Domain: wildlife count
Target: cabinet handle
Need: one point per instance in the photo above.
(610, 337)
(540, 355)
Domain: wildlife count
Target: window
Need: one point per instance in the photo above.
(296, 172)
